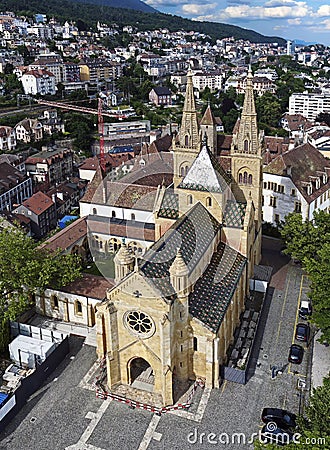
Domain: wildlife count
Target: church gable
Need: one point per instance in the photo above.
(205, 174)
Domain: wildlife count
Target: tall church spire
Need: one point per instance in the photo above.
(189, 131)
(247, 137)
(186, 145)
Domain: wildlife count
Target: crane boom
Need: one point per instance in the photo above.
(101, 134)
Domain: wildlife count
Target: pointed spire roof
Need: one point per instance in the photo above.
(249, 106)
(247, 135)
(208, 118)
(179, 267)
(188, 137)
(205, 174)
(189, 101)
(123, 256)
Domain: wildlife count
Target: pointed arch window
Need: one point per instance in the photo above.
(245, 175)
(250, 179)
(240, 178)
(246, 146)
(187, 170)
(189, 199)
(186, 140)
(182, 171)
(78, 308)
(208, 201)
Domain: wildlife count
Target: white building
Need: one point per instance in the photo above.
(309, 105)
(7, 139)
(212, 80)
(39, 82)
(296, 181)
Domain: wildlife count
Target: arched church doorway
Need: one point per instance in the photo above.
(140, 374)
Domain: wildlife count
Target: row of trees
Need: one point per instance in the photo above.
(309, 242)
(25, 268)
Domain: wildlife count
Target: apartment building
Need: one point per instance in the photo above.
(309, 105)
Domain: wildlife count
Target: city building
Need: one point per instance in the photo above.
(160, 96)
(50, 166)
(41, 210)
(15, 187)
(40, 82)
(296, 181)
(309, 105)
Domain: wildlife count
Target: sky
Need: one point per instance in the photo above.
(291, 19)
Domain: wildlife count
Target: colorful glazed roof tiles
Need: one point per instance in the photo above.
(215, 289)
(193, 233)
(170, 205)
(234, 214)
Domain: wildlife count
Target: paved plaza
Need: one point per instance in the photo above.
(65, 413)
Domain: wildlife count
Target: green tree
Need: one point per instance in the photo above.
(268, 109)
(25, 268)
(309, 242)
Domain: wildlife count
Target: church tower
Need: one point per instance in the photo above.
(246, 160)
(124, 263)
(186, 146)
(208, 127)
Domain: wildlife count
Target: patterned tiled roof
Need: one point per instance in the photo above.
(205, 174)
(234, 214)
(170, 205)
(214, 290)
(192, 234)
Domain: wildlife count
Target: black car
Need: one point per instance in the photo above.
(283, 419)
(272, 435)
(302, 332)
(296, 354)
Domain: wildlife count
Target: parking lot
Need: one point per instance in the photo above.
(64, 413)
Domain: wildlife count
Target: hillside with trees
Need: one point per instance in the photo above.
(87, 15)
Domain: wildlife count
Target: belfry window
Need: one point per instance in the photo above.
(246, 146)
(250, 179)
(186, 140)
(245, 177)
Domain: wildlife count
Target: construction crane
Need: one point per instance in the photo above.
(101, 134)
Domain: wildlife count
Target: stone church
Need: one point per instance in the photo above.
(172, 313)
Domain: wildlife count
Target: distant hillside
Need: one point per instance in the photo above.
(137, 5)
(88, 14)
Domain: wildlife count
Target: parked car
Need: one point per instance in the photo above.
(276, 436)
(305, 309)
(296, 354)
(302, 332)
(283, 418)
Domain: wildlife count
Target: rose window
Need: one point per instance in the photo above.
(139, 323)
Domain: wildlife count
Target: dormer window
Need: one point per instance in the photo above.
(324, 178)
(309, 189)
(317, 183)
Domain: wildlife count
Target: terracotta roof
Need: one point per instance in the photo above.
(224, 142)
(90, 286)
(162, 144)
(93, 186)
(121, 228)
(67, 237)
(38, 203)
(208, 117)
(304, 162)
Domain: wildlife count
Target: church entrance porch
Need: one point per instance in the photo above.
(141, 375)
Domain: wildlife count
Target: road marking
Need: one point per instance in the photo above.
(150, 433)
(85, 383)
(95, 418)
(282, 311)
(198, 415)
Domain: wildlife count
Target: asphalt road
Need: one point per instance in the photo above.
(66, 415)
